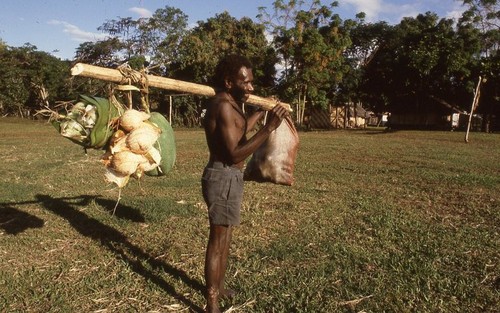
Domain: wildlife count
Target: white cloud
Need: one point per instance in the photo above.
(143, 13)
(392, 11)
(371, 8)
(444, 9)
(395, 13)
(456, 12)
(377, 10)
(76, 34)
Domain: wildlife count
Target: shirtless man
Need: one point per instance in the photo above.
(226, 126)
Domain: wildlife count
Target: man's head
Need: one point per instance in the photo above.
(234, 75)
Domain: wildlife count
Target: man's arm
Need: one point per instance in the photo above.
(257, 115)
(238, 150)
(254, 118)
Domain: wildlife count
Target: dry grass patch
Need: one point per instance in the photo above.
(377, 221)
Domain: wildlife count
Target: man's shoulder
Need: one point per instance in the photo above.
(221, 97)
(220, 102)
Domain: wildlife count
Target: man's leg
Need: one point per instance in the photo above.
(224, 292)
(215, 263)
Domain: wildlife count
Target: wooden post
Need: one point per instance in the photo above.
(337, 116)
(475, 101)
(355, 115)
(115, 76)
(346, 115)
(170, 110)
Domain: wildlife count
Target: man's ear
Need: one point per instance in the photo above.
(228, 83)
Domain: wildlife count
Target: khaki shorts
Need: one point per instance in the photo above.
(222, 188)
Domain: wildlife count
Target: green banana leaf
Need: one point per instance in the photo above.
(102, 131)
(165, 144)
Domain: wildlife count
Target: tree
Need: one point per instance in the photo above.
(149, 44)
(122, 36)
(157, 37)
(366, 39)
(30, 78)
(310, 45)
(223, 34)
(160, 35)
(203, 46)
(420, 60)
(484, 16)
(100, 53)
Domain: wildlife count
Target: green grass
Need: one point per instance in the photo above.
(377, 221)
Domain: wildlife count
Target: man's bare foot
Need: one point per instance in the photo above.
(212, 309)
(213, 301)
(227, 293)
(213, 305)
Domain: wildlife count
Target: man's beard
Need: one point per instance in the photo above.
(240, 96)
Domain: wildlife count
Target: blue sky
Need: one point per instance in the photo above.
(59, 26)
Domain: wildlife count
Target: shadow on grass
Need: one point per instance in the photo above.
(122, 211)
(364, 131)
(382, 131)
(20, 221)
(119, 244)
(14, 221)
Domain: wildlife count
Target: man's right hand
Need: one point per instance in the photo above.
(275, 116)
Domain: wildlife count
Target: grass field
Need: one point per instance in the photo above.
(404, 221)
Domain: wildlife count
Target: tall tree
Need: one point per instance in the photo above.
(150, 43)
(30, 78)
(366, 39)
(422, 63)
(484, 16)
(102, 53)
(309, 40)
(122, 34)
(223, 34)
(160, 35)
(156, 38)
(209, 41)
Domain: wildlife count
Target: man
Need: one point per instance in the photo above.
(226, 126)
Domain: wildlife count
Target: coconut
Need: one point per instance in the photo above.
(126, 162)
(114, 177)
(142, 139)
(146, 166)
(153, 157)
(133, 119)
(118, 142)
(106, 158)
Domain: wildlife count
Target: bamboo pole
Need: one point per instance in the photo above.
(473, 106)
(115, 76)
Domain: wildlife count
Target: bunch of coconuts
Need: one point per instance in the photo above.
(131, 149)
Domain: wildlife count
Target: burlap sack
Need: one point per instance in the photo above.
(274, 160)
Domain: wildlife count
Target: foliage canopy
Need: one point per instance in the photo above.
(302, 51)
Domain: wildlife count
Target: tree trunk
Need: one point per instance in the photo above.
(486, 123)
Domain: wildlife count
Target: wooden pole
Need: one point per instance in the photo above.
(115, 76)
(473, 106)
(170, 110)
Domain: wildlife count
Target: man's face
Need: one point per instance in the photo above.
(241, 85)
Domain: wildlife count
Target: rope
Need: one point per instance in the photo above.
(136, 78)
